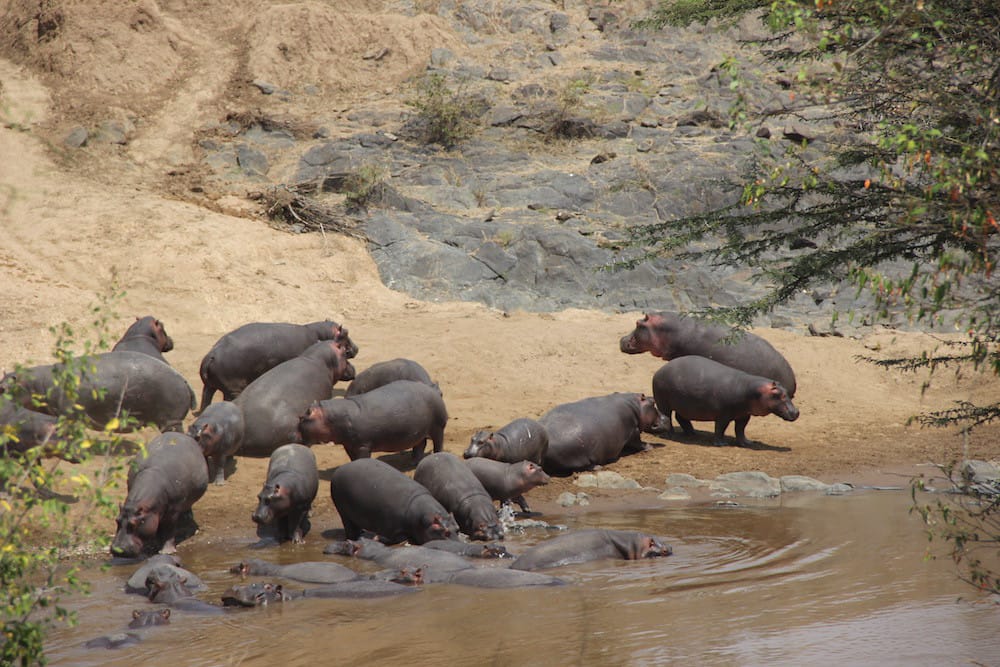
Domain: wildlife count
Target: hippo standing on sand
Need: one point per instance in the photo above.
(400, 415)
(219, 432)
(581, 546)
(455, 486)
(700, 389)
(508, 481)
(595, 431)
(669, 335)
(289, 490)
(374, 496)
(163, 485)
(246, 353)
(521, 440)
(146, 335)
(111, 384)
(384, 372)
(272, 403)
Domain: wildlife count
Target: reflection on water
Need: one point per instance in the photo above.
(813, 581)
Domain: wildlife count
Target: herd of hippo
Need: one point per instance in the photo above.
(277, 383)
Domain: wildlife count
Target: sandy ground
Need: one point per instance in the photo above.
(75, 228)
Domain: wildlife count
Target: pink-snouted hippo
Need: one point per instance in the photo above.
(244, 354)
(699, 389)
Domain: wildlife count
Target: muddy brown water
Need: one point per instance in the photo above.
(807, 580)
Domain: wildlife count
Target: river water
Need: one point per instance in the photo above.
(807, 580)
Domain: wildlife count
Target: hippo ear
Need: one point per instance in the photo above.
(165, 614)
(136, 614)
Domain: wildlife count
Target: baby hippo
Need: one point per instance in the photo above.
(461, 493)
(292, 481)
(699, 389)
(508, 481)
(521, 440)
(219, 432)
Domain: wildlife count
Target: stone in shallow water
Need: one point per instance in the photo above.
(752, 484)
(791, 483)
(675, 493)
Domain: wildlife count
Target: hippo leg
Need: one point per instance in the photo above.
(437, 437)
(522, 503)
(298, 526)
(219, 462)
(720, 432)
(418, 451)
(741, 436)
(207, 392)
(352, 531)
(685, 425)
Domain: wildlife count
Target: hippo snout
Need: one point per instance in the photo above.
(790, 413)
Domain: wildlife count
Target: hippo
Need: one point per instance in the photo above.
(455, 486)
(146, 335)
(397, 416)
(372, 495)
(581, 546)
(22, 429)
(219, 431)
(161, 566)
(669, 335)
(272, 403)
(699, 389)
(163, 485)
(170, 589)
(594, 431)
(114, 641)
(469, 550)
(112, 384)
(263, 593)
(385, 372)
(478, 577)
(309, 572)
(521, 440)
(400, 558)
(244, 354)
(149, 618)
(508, 481)
(285, 500)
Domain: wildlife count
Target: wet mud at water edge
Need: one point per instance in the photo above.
(807, 580)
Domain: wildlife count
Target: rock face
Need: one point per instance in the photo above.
(570, 129)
